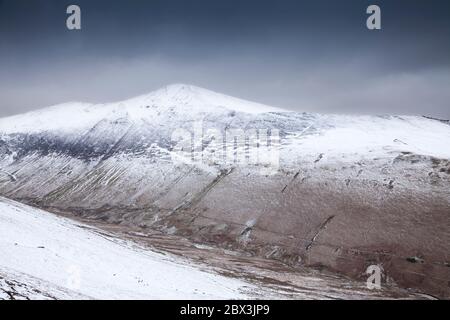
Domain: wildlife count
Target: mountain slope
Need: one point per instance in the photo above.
(340, 191)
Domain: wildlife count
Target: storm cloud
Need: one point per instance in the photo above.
(315, 56)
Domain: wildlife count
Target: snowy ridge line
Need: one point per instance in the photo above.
(186, 99)
(158, 114)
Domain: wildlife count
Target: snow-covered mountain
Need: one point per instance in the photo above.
(340, 191)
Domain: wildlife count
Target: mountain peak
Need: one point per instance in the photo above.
(197, 98)
(182, 86)
(180, 99)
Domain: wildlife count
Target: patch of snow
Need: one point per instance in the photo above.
(360, 136)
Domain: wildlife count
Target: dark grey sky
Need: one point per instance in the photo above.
(314, 55)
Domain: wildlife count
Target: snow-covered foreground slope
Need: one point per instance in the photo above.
(52, 257)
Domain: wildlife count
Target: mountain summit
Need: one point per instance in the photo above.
(198, 98)
(179, 98)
